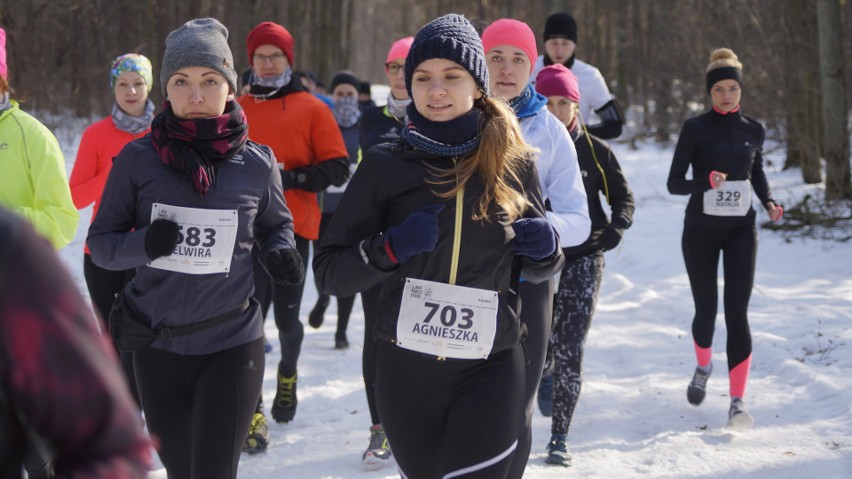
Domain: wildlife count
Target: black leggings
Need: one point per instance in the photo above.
(286, 301)
(575, 305)
(345, 303)
(537, 314)
(103, 285)
(701, 250)
(455, 417)
(200, 407)
(370, 303)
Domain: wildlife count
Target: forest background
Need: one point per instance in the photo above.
(651, 52)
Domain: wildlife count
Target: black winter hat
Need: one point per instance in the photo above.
(344, 77)
(560, 25)
(453, 38)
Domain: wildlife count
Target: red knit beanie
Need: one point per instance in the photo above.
(557, 80)
(269, 33)
(507, 31)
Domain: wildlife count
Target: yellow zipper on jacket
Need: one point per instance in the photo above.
(454, 262)
(457, 231)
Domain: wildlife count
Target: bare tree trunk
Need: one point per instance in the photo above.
(653, 54)
(661, 34)
(834, 106)
(801, 82)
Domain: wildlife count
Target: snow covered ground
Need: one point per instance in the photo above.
(633, 419)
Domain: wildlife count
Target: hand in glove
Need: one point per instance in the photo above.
(288, 179)
(610, 237)
(285, 266)
(417, 234)
(534, 238)
(161, 238)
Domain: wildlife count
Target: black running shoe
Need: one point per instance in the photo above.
(698, 386)
(317, 315)
(284, 405)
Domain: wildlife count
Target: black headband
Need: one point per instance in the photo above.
(724, 73)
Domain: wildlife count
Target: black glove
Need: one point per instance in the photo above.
(161, 238)
(285, 266)
(292, 179)
(610, 237)
(534, 238)
(288, 180)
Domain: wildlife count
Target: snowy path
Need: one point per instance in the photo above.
(633, 419)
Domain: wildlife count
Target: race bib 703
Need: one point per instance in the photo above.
(446, 320)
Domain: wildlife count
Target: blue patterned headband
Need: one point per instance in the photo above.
(131, 62)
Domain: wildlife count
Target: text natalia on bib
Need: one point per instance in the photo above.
(206, 241)
(447, 321)
(733, 198)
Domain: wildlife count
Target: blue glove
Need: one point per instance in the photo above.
(534, 238)
(417, 234)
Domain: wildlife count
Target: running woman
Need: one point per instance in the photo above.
(724, 149)
(184, 206)
(510, 52)
(446, 220)
(131, 77)
(581, 276)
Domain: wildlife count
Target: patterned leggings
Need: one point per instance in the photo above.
(576, 299)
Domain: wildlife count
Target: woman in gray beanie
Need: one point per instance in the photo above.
(184, 206)
(445, 220)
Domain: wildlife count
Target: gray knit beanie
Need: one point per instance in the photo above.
(453, 38)
(202, 42)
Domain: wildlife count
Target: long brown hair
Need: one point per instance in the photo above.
(498, 161)
(4, 87)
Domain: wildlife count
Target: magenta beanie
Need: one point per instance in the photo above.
(507, 31)
(4, 69)
(557, 80)
(399, 49)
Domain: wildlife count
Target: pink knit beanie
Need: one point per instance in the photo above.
(507, 31)
(399, 49)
